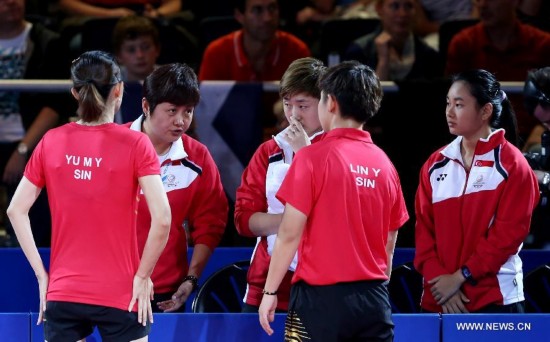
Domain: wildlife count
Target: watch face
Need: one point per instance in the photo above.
(466, 273)
(22, 149)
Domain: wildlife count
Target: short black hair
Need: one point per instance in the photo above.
(541, 79)
(355, 87)
(175, 83)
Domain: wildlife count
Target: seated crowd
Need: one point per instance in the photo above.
(319, 166)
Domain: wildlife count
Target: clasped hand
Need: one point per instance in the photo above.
(446, 291)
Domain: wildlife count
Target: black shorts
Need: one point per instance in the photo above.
(357, 311)
(66, 321)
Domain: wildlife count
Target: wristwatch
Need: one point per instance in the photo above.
(22, 149)
(193, 280)
(468, 275)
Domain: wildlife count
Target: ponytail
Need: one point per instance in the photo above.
(94, 74)
(91, 104)
(507, 120)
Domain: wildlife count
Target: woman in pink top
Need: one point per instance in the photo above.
(96, 277)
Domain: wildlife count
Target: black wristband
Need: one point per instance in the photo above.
(274, 293)
(193, 280)
(468, 275)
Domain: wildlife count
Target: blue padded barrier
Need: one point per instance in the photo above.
(21, 327)
(15, 327)
(245, 327)
(19, 289)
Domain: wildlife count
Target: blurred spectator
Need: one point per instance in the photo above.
(258, 51)
(535, 12)
(359, 9)
(308, 19)
(121, 8)
(536, 92)
(531, 8)
(321, 10)
(137, 47)
(79, 12)
(536, 95)
(28, 51)
(393, 50)
(433, 12)
(501, 44)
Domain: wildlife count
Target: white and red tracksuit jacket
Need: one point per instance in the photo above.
(478, 218)
(195, 192)
(251, 198)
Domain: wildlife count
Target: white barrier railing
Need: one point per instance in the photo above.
(58, 86)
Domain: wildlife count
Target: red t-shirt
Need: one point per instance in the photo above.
(351, 194)
(91, 174)
(225, 59)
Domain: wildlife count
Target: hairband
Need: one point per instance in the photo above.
(503, 95)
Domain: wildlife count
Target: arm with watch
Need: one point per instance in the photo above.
(46, 119)
(201, 254)
(447, 287)
(502, 240)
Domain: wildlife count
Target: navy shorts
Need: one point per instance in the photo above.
(356, 311)
(66, 321)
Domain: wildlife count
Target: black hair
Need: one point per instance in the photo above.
(175, 83)
(536, 90)
(485, 88)
(355, 87)
(94, 74)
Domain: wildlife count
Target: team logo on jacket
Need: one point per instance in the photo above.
(484, 163)
(170, 181)
(479, 182)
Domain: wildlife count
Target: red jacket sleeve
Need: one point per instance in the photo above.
(426, 260)
(208, 214)
(251, 197)
(512, 220)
